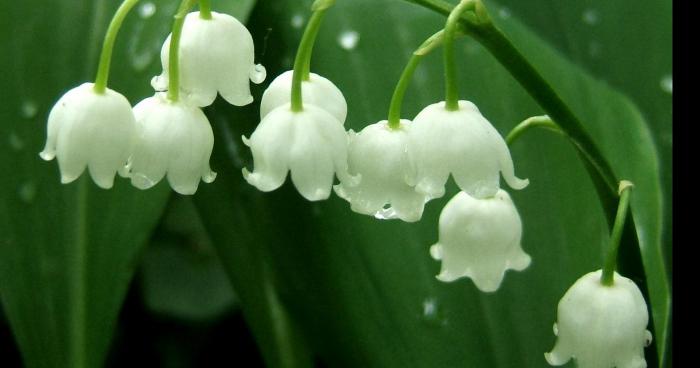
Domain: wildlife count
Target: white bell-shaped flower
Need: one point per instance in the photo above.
(601, 326)
(464, 143)
(311, 144)
(480, 239)
(379, 156)
(317, 91)
(174, 139)
(215, 55)
(90, 129)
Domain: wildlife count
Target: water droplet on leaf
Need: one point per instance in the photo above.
(16, 143)
(29, 109)
(667, 84)
(348, 40)
(146, 10)
(27, 192)
(591, 17)
(297, 21)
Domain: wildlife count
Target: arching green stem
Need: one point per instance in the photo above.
(303, 57)
(108, 44)
(205, 9)
(451, 27)
(534, 122)
(174, 57)
(397, 98)
(607, 278)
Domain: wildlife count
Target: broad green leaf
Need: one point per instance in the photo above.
(67, 252)
(362, 290)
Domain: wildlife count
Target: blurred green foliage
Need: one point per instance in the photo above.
(314, 281)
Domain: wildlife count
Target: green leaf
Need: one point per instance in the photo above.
(68, 252)
(363, 291)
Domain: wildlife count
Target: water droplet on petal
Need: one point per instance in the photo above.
(146, 10)
(667, 84)
(27, 192)
(16, 143)
(436, 252)
(258, 73)
(159, 83)
(348, 40)
(555, 328)
(590, 17)
(141, 181)
(47, 155)
(647, 338)
(209, 177)
(297, 21)
(386, 213)
(29, 109)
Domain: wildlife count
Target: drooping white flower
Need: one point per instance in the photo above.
(480, 239)
(464, 143)
(174, 139)
(379, 156)
(317, 91)
(601, 326)
(215, 55)
(90, 129)
(311, 144)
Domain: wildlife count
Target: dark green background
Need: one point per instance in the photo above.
(314, 281)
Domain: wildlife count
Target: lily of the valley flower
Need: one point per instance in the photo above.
(480, 239)
(379, 156)
(464, 143)
(317, 90)
(311, 144)
(174, 139)
(216, 54)
(601, 326)
(86, 128)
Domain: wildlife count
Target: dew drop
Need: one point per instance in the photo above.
(258, 73)
(297, 21)
(504, 13)
(432, 313)
(386, 213)
(555, 328)
(141, 61)
(348, 40)
(159, 83)
(29, 109)
(146, 10)
(647, 338)
(27, 192)
(667, 84)
(16, 143)
(590, 17)
(209, 177)
(436, 252)
(141, 181)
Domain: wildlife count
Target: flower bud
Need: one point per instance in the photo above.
(90, 129)
(601, 326)
(379, 156)
(480, 239)
(216, 54)
(317, 91)
(311, 144)
(464, 143)
(174, 139)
